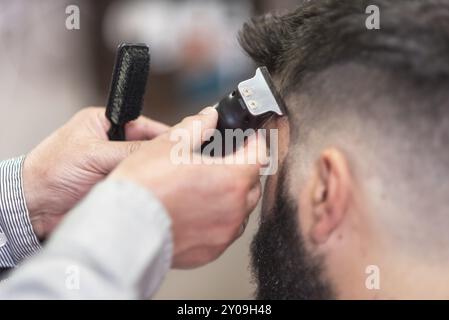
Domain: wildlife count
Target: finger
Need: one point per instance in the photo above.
(259, 148)
(110, 153)
(253, 197)
(242, 227)
(144, 128)
(197, 126)
(254, 152)
(250, 158)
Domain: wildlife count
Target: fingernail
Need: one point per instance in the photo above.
(207, 111)
(265, 162)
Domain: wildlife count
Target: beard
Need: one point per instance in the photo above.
(282, 267)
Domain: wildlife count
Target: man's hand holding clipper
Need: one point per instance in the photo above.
(209, 204)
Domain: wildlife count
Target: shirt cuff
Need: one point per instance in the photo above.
(17, 238)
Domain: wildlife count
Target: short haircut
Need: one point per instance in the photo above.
(382, 96)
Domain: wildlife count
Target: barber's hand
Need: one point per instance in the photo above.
(65, 166)
(209, 204)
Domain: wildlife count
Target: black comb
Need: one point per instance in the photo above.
(128, 84)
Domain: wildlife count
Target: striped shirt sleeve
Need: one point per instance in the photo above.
(17, 238)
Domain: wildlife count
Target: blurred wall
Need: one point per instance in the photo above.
(45, 72)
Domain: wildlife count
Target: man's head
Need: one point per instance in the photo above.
(363, 186)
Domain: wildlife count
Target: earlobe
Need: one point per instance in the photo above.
(331, 194)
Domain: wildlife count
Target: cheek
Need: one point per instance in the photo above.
(283, 138)
(278, 136)
(281, 145)
(305, 213)
(269, 195)
(304, 219)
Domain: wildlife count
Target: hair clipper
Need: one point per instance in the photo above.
(250, 105)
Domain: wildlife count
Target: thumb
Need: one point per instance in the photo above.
(254, 152)
(112, 153)
(199, 127)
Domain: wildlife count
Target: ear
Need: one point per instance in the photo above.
(331, 193)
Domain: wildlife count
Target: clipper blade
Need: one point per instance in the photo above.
(260, 94)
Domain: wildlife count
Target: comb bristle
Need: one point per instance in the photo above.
(128, 84)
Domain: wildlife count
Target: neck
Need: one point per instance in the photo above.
(395, 276)
(414, 278)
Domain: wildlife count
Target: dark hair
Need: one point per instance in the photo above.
(380, 96)
(414, 37)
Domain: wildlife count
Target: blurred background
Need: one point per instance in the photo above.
(48, 72)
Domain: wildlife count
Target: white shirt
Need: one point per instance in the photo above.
(116, 244)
